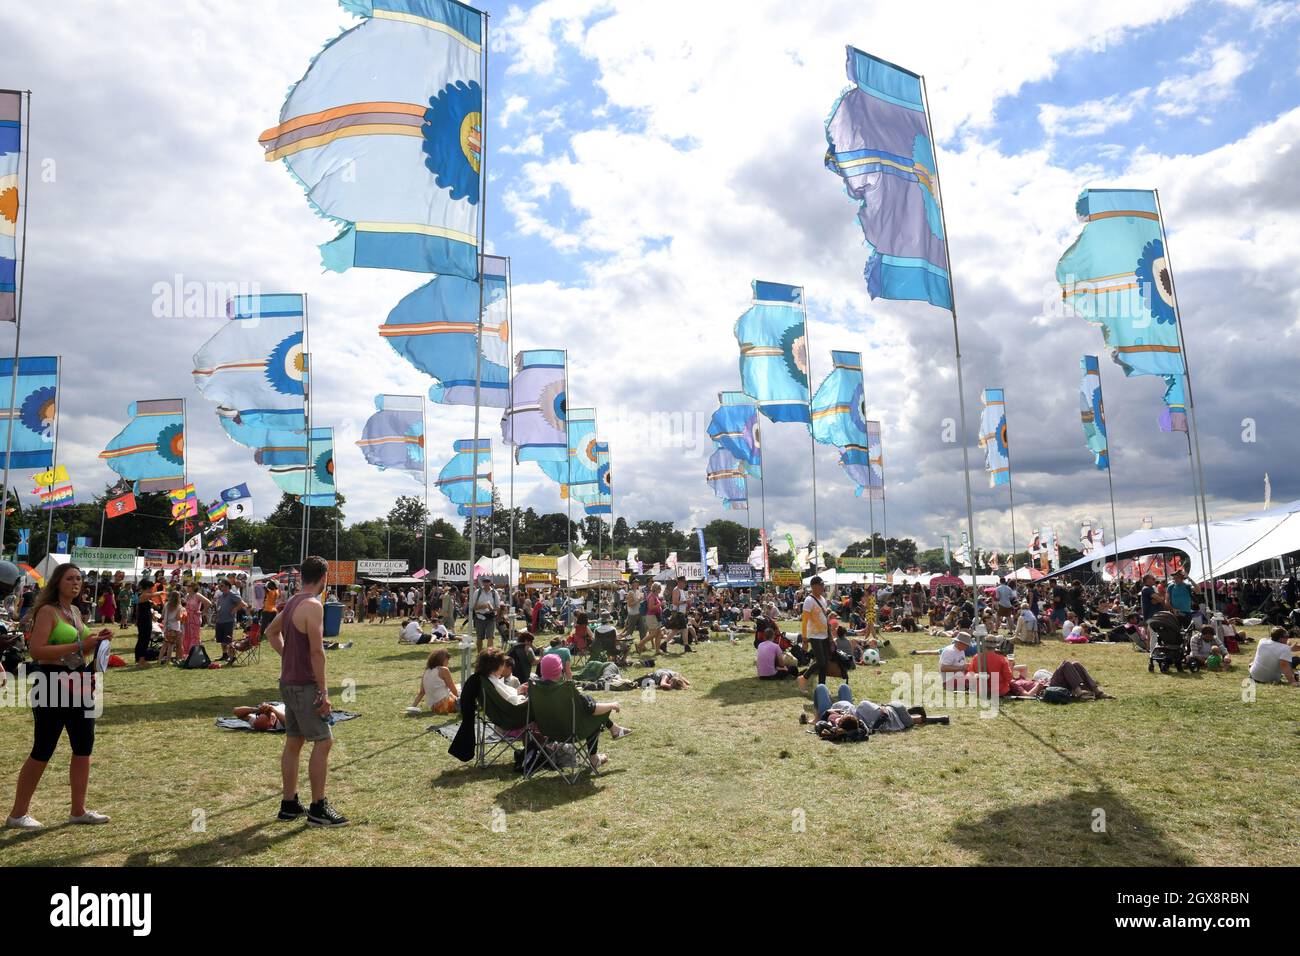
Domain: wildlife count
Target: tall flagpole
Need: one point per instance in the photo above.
(1114, 524)
(306, 408)
(884, 514)
(424, 457)
(762, 487)
(510, 361)
(817, 545)
(49, 513)
(18, 313)
(1194, 437)
(478, 336)
(568, 526)
(1010, 490)
(956, 341)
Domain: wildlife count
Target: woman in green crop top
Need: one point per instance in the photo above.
(62, 695)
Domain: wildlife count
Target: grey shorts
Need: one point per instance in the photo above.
(636, 622)
(300, 717)
(485, 628)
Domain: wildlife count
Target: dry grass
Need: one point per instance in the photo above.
(1184, 770)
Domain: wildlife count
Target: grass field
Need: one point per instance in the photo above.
(1184, 771)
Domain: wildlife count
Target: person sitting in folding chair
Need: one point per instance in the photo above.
(562, 714)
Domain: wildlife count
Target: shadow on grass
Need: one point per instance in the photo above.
(547, 791)
(1067, 831)
(464, 774)
(418, 654)
(213, 706)
(254, 838)
(751, 690)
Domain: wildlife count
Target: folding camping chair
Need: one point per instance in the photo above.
(496, 717)
(248, 649)
(559, 729)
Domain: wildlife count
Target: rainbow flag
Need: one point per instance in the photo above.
(217, 511)
(185, 503)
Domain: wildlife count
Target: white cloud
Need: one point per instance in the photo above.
(528, 146)
(1090, 118)
(514, 106)
(1214, 82)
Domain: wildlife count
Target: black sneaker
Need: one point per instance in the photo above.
(323, 815)
(291, 809)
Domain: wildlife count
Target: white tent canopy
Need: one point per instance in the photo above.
(1235, 543)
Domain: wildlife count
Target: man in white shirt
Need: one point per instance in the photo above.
(816, 629)
(953, 661)
(1026, 631)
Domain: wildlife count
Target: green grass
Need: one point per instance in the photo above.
(1184, 770)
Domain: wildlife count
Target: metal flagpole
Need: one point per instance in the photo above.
(510, 361)
(956, 341)
(308, 373)
(1010, 490)
(568, 402)
(424, 457)
(817, 545)
(762, 486)
(103, 513)
(884, 515)
(18, 317)
(49, 513)
(1194, 437)
(478, 336)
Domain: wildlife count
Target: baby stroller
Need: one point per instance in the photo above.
(1170, 645)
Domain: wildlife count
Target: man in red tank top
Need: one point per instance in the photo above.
(297, 634)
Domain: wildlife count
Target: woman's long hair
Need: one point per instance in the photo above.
(49, 594)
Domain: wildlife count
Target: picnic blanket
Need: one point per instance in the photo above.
(236, 723)
(448, 730)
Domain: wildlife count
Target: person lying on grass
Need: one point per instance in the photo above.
(845, 720)
(664, 679)
(437, 686)
(264, 716)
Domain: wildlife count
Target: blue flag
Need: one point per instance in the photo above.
(1092, 413)
(62, 537)
(236, 493)
(393, 437)
(839, 409)
(993, 437)
(34, 412)
(467, 478)
(878, 141)
(774, 352)
(734, 426)
(1116, 276)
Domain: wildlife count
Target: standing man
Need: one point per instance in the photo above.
(1006, 598)
(816, 628)
(633, 600)
(297, 634)
(677, 623)
(1179, 596)
(227, 603)
(483, 605)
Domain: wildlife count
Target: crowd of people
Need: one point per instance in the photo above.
(545, 632)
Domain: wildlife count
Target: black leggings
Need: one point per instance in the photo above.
(822, 657)
(51, 720)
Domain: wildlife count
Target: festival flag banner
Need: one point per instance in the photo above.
(839, 407)
(466, 480)
(11, 136)
(216, 560)
(1091, 412)
(535, 424)
(774, 351)
(878, 142)
(734, 426)
(435, 328)
(120, 506)
(993, 437)
(184, 502)
(342, 572)
(61, 538)
(58, 496)
(302, 468)
(24, 538)
(393, 437)
(217, 511)
(150, 450)
(727, 479)
(35, 407)
(1116, 276)
(384, 132)
(81, 542)
(598, 498)
(238, 500)
(864, 463)
(254, 368)
(578, 475)
(194, 543)
(57, 475)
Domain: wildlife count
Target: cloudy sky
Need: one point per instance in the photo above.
(646, 161)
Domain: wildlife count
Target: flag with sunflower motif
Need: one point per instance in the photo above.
(774, 352)
(385, 133)
(150, 451)
(1116, 276)
(11, 135)
(35, 407)
(254, 369)
(993, 437)
(301, 467)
